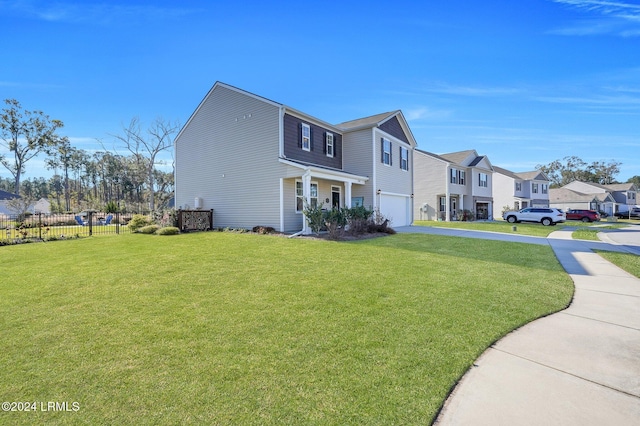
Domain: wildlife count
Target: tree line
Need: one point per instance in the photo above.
(573, 168)
(83, 179)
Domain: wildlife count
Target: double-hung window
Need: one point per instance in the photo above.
(454, 176)
(329, 144)
(483, 180)
(534, 188)
(300, 195)
(461, 176)
(306, 137)
(404, 158)
(545, 188)
(386, 151)
(518, 186)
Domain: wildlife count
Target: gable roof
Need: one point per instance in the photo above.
(363, 123)
(532, 175)
(4, 195)
(569, 196)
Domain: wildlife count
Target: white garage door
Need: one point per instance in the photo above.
(395, 208)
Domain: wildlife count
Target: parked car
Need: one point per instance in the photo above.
(583, 215)
(633, 214)
(545, 216)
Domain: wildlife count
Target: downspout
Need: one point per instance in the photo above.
(447, 200)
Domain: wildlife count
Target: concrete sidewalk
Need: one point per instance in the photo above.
(580, 366)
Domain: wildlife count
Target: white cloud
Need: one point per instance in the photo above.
(616, 17)
(86, 12)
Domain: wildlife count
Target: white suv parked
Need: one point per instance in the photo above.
(545, 216)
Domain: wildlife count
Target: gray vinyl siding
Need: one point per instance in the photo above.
(391, 178)
(359, 160)
(429, 184)
(228, 156)
(318, 154)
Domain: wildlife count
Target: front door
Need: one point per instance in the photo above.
(454, 208)
(335, 197)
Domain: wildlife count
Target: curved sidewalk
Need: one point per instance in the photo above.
(580, 366)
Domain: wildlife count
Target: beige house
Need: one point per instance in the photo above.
(448, 186)
(611, 199)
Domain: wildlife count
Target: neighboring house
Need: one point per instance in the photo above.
(519, 190)
(565, 199)
(42, 206)
(447, 184)
(610, 199)
(5, 197)
(256, 162)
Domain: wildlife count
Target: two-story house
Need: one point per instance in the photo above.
(258, 162)
(519, 190)
(611, 199)
(448, 184)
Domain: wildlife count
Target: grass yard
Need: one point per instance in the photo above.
(627, 261)
(222, 328)
(532, 229)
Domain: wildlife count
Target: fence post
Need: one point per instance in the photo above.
(118, 223)
(90, 219)
(39, 225)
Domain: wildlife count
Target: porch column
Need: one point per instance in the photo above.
(447, 205)
(461, 207)
(347, 195)
(306, 195)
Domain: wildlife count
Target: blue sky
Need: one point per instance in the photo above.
(524, 82)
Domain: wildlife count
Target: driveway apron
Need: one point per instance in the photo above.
(580, 366)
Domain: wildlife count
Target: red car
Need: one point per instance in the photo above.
(583, 215)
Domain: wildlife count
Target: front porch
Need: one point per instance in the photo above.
(313, 186)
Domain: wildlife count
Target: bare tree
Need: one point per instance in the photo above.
(25, 134)
(145, 148)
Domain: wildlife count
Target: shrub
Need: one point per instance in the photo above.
(315, 217)
(138, 221)
(149, 229)
(358, 219)
(335, 220)
(168, 230)
(111, 207)
(263, 229)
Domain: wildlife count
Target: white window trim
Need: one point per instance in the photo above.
(386, 153)
(308, 138)
(483, 183)
(330, 141)
(295, 189)
(404, 159)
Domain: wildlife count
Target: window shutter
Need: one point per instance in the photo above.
(400, 156)
(390, 153)
(324, 145)
(299, 135)
(382, 150)
(310, 138)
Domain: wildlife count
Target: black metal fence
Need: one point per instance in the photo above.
(48, 227)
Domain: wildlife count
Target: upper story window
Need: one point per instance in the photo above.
(404, 158)
(461, 175)
(534, 188)
(386, 152)
(483, 180)
(329, 145)
(518, 186)
(545, 188)
(631, 195)
(454, 176)
(306, 137)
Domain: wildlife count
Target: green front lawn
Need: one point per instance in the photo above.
(222, 328)
(531, 229)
